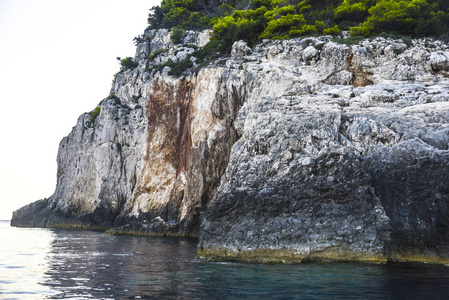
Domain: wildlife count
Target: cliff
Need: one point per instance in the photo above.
(295, 150)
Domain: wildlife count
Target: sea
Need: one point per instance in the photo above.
(78, 264)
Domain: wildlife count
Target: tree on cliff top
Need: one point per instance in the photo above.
(253, 20)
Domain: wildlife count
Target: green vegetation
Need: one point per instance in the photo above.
(116, 101)
(254, 20)
(416, 17)
(94, 114)
(155, 53)
(178, 35)
(319, 46)
(127, 63)
(115, 98)
(177, 68)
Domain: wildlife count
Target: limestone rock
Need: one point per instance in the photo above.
(331, 172)
(294, 150)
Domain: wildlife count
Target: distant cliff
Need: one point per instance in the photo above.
(295, 150)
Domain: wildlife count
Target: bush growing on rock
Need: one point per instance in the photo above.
(94, 114)
(178, 35)
(155, 53)
(332, 30)
(255, 20)
(127, 63)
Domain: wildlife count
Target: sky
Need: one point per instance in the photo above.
(57, 61)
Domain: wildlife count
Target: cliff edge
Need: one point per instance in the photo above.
(295, 150)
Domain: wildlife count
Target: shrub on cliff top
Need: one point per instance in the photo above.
(415, 17)
(254, 20)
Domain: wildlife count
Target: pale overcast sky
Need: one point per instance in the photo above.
(57, 61)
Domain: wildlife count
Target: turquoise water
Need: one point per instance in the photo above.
(70, 264)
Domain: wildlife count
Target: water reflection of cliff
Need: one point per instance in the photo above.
(92, 264)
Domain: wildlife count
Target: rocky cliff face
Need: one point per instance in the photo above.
(344, 157)
(152, 159)
(295, 150)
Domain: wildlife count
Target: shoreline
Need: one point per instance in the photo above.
(268, 256)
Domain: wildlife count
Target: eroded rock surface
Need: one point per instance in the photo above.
(296, 150)
(347, 160)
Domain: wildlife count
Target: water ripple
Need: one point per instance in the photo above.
(70, 264)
